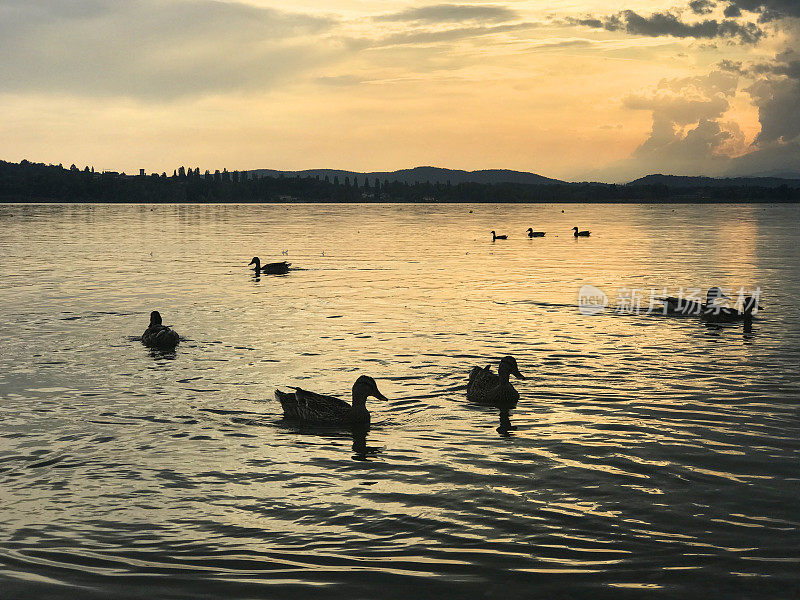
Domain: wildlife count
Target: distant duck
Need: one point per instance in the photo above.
(498, 237)
(276, 268)
(533, 234)
(580, 233)
(682, 307)
(159, 336)
(485, 387)
(309, 407)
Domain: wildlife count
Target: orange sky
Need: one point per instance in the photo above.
(368, 85)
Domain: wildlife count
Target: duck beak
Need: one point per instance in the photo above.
(517, 374)
(379, 396)
(252, 262)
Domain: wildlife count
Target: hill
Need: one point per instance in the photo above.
(684, 182)
(420, 175)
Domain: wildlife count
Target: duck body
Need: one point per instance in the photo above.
(275, 268)
(725, 314)
(486, 387)
(710, 310)
(533, 234)
(498, 237)
(580, 233)
(319, 409)
(158, 336)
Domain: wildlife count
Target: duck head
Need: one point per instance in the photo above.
(508, 366)
(530, 230)
(155, 318)
(255, 262)
(750, 305)
(575, 229)
(364, 387)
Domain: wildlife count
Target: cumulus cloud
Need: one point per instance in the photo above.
(452, 13)
(688, 126)
(152, 49)
(775, 91)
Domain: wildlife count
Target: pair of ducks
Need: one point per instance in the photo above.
(532, 234)
(484, 387)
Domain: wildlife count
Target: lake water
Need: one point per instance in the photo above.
(652, 456)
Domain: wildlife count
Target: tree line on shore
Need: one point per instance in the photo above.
(37, 182)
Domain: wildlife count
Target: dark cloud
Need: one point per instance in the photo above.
(452, 13)
(152, 49)
(669, 24)
(702, 7)
(732, 11)
(768, 10)
(776, 93)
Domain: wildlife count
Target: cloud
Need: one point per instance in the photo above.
(702, 7)
(768, 10)
(690, 134)
(435, 36)
(153, 49)
(670, 24)
(452, 13)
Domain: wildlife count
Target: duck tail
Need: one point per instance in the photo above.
(288, 403)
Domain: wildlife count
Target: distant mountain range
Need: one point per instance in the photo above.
(420, 175)
(680, 181)
(496, 176)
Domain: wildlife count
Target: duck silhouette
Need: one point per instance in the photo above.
(533, 234)
(159, 336)
(310, 407)
(484, 387)
(275, 268)
(498, 237)
(580, 233)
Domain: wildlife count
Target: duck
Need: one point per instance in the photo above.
(682, 307)
(276, 268)
(725, 314)
(533, 234)
(159, 336)
(485, 387)
(312, 408)
(581, 233)
(498, 237)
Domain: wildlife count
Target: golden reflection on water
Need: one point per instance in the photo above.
(636, 436)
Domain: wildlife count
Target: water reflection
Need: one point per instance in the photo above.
(506, 427)
(361, 451)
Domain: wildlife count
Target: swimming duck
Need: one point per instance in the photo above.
(580, 233)
(683, 307)
(725, 314)
(308, 407)
(533, 234)
(159, 336)
(498, 237)
(276, 268)
(485, 387)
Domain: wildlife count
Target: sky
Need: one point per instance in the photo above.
(577, 90)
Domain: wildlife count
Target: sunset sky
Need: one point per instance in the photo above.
(575, 90)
